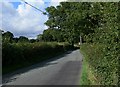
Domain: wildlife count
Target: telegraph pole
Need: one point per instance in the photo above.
(80, 40)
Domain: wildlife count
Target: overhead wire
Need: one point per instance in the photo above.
(34, 7)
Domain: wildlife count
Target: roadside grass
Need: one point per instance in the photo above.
(84, 74)
(87, 75)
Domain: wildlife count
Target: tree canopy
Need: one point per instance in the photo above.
(74, 19)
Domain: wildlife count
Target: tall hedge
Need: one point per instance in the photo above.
(27, 53)
(102, 48)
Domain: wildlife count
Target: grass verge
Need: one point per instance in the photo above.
(84, 75)
(87, 74)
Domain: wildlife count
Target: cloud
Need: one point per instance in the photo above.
(56, 2)
(25, 20)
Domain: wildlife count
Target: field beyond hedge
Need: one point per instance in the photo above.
(18, 55)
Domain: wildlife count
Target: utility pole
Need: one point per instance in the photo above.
(80, 40)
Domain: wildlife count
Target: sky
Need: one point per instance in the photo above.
(23, 20)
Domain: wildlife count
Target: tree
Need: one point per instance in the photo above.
(52, 35)
(23, 39)
(72, 19)
(39, 37)
(47, 35)
(7, 37)
(15, 40)
(32, 40)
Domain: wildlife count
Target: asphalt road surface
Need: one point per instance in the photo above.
(62, 70)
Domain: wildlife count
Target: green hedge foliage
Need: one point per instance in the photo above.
(102, 47)
(23, 53)
(103, 62)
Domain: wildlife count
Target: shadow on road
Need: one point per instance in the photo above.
(8, 77)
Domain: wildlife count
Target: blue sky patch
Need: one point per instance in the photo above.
(16, 4)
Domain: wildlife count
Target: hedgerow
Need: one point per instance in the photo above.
(103, 63)
(102, 47)
(14, 54)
